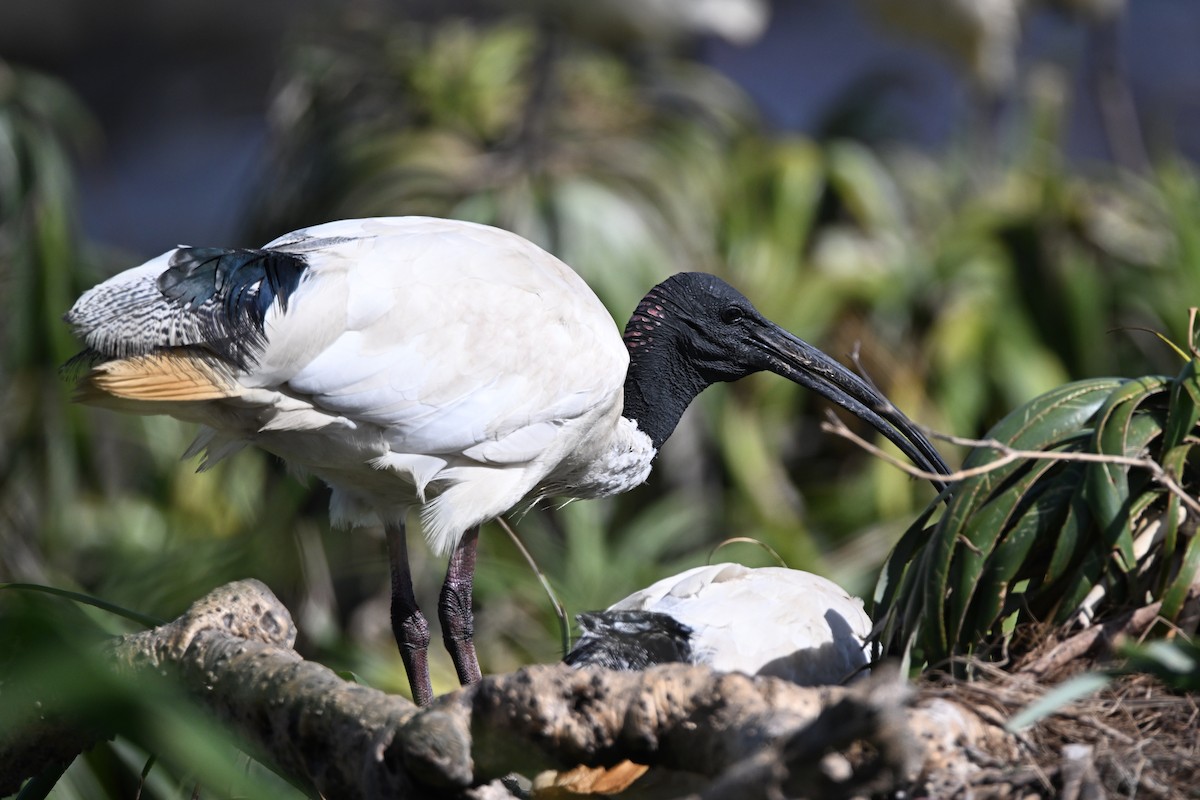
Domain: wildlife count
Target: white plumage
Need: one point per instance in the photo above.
(372, 378)
(433, 364)
(772, 621)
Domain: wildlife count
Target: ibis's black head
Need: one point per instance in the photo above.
(630, 640)
(694, 330)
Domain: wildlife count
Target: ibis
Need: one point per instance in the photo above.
(774, 621)
(784, 623)
(446, 367)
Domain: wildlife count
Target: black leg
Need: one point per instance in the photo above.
(408, 623)
(454, 609)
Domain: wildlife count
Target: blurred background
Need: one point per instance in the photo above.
(982, 200)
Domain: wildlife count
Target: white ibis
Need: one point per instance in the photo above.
(432, 364)
(767, 621)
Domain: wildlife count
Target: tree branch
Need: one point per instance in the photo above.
(748, 737)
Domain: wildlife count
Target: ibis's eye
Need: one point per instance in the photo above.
(731, 314)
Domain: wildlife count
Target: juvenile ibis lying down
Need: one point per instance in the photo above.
(774, 621)
(432, 364)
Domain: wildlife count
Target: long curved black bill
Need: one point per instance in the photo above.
(798, 361)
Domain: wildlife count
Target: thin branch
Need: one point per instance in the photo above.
(1008, 455)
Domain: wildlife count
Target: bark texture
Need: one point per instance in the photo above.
(741, 737)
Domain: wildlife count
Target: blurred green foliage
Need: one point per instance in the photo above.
(963, 292)
(40, 449)
(92, 502)
(88, 499)
(165, 747)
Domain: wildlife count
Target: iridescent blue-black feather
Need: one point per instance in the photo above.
(229, 291)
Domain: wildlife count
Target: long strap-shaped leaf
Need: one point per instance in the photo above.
(1054, 531)
(1109, 557)
(1107, 485)
(1072, 538)
(1178, 445)
(1044, 423)
(901, 574)
(1038, 514)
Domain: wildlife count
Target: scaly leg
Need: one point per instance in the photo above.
(454, 609)
(408, 623)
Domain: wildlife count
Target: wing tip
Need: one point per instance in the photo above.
(157, 378)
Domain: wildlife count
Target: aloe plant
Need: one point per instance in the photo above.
(1082, 505)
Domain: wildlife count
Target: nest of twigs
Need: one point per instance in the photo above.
(1138, 738)
(1135, 737)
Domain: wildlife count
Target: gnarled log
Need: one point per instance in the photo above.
(745, 736)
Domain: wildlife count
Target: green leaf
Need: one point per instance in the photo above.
(1072, 534)
(1189, 567)
(896, 582)
(1049, 421)
(1174, 461)
(1106, 486)
(1183, 412)
(985, 529)
(40, 786)
(1040, 515)
(1058, 698)
(1056, 416)
(1184, 409)
(1081, 581)
(1176, 663)
(142, 619)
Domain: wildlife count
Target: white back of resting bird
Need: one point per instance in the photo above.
(417, 362)
(766, 621)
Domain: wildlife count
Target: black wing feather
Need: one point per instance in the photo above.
(229, 291)
(630, 640)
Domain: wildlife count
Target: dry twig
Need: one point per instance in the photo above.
(1007, 455)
